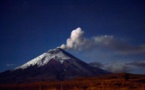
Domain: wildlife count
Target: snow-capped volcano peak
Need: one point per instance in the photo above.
(56, 64)
(44, 58)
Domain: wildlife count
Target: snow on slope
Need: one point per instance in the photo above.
(44, 58)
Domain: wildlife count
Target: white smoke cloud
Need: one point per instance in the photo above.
(74, 42)
(77, 41)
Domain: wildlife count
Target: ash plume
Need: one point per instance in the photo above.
(77, 41)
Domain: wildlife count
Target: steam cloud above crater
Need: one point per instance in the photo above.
(77, 41)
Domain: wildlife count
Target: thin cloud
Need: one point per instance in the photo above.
(9, 65)
(96, 64)
(138, 64)
(116, 67)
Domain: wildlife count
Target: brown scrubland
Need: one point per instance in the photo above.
(120, 81)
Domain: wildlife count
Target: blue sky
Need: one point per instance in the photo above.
(31, 27)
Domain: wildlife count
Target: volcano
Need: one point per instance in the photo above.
(54, 65)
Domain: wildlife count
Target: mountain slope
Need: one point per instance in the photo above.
(56, 64)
